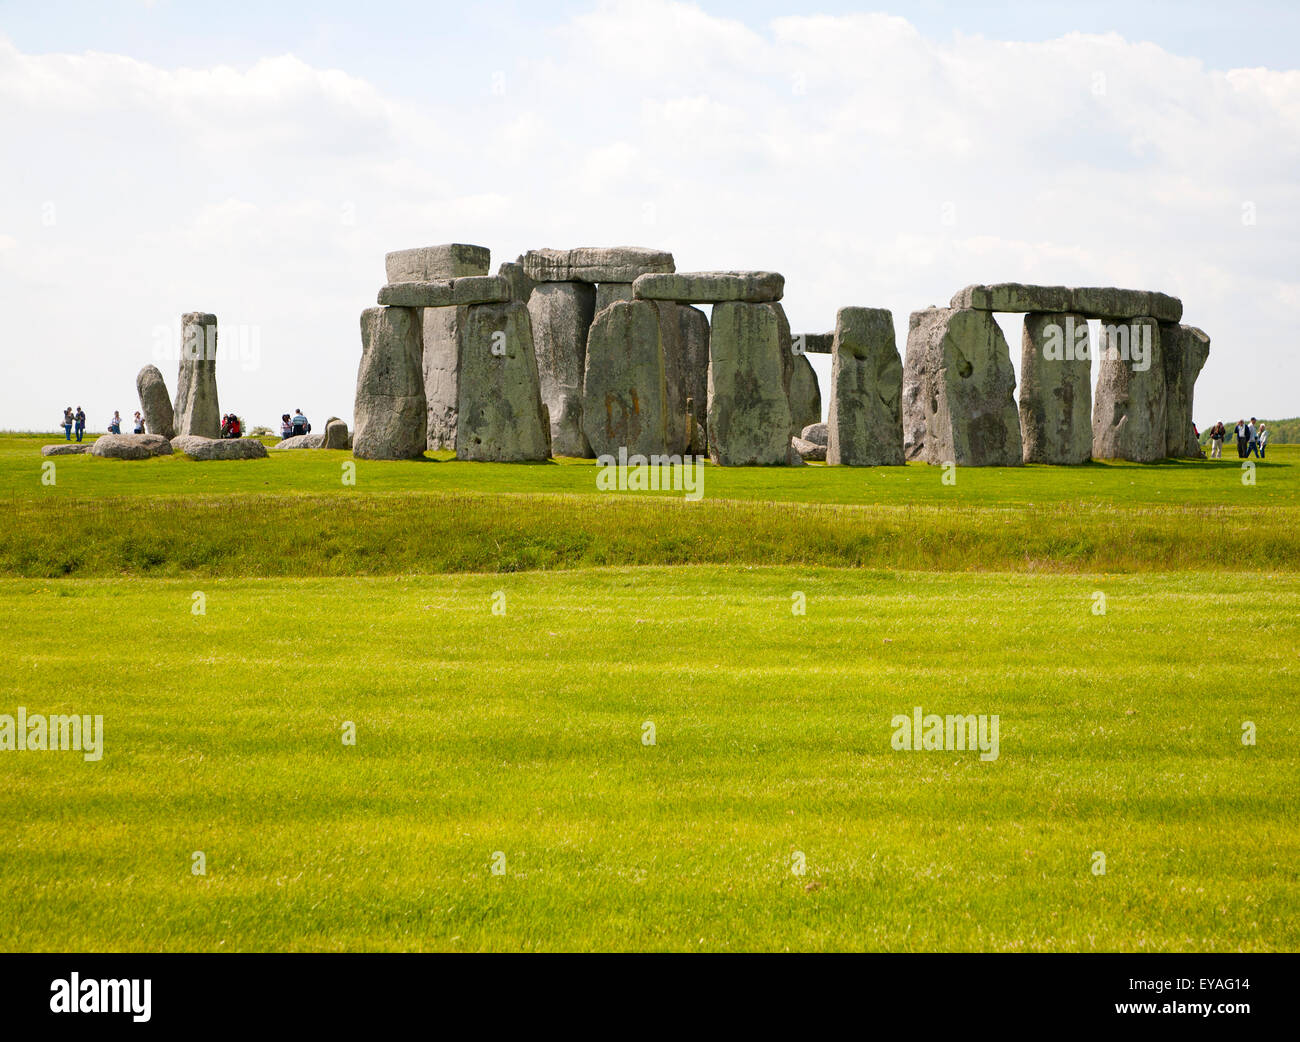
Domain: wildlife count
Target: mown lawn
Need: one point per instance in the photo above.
(522, 733)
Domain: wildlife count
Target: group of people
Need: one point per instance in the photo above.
(232, 426)
(1251, 438)
(76, 422)
(293, 426)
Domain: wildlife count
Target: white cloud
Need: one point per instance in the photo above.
(868, 163)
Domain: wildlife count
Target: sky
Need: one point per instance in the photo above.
(258, 161)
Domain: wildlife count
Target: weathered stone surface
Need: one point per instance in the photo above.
(625, 400)
(500, 416)
(677, 389)
(792, 457)
(912, 406)
(864, 421)
(67, 448)
(521, 286)
(390, 412)
(694, 326)
(749, 411)
(595, 263)
(434, 263)
(131, 446)
(441, 330)
(608, 292)
(1106, 302)
(476, 289)
(710, 287)
(1056, 389)
(1184, 350)
(1013, 296)
(786, 341)
(964, 389)
(817, 433)
(300, 441)
(197, 410)
(805, 394)
(561, 314)
(808, 450)
(1165, 308)
(155, 402)
(816, 343)
(1128, 412)
(218, 448)
(336, 434)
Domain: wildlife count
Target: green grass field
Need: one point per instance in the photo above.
(516, 738)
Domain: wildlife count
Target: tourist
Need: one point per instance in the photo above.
(79, 420)
(1240, 435)
(67, 423)
(1217, 433)
(236, 428)
(1263, 439)
(300, 424)
(139, 424)
(1252, 437)
(286, 426)
(115, 424)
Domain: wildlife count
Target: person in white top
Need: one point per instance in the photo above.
(1263, 439)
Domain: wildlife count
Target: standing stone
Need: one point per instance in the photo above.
(749, 411)
(786, 340)
(624, 403)
(1056, 389)
(608, 292)
(865, 420)
(390, 409)
(155, 402)
(913, 408)
(500, 416)
(677, 389)
(441, 330)
(1184, 349)
(521, 286)
(964, 388)
(1128, 412)
(197, 410)
(695, 359)
(561, 314)
(805, 394)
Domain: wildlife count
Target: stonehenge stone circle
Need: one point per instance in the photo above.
(218, 448)
(1056, 389)
(710, 287)
(131, 446)
(155, 402)
(864, 421)
(805, 394)
(390, 412)
(197, 410)
(500, 416)
(436, 263)
(1128, 413)
(1184, 350)
(595, 264)
(474, 289)
(625, 401)
(441, 337)
(964, 389)
(749, 411)
(561, 314)
(694, 331)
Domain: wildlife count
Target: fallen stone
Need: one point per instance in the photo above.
(1184, 350)
(817, 433)
(596, 264)
(964, 389)
(805, 394)
(710, 287)
(475, 289)
(792, 457)
(441, 330)
(608, 292)
(1013, 296)
(131, 446)
(1056, 389)
(436, 263)
(808, 450)
(749, 411)
(68, 448)
(694, 328)
(864, 422)
(390, 411)
(1128, 412)
(561, 314)
(300, 441)
(155, 402)
(624, 402)
(500, 416)
(197, 410)
(218, 448)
